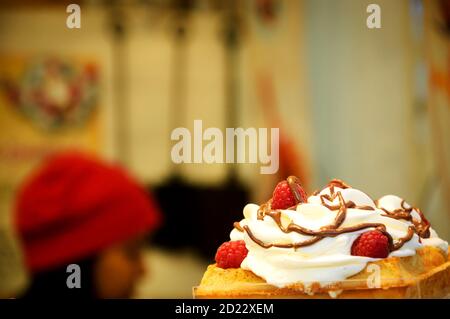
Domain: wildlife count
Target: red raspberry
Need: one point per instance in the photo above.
(371, 244)
(283, 198)
(231, 254)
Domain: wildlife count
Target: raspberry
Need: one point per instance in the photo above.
(371, 244)
(231, 254)
(283, 198)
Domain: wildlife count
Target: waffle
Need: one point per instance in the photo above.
(424, 275)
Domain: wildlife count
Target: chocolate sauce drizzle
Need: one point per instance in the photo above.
(293, 181)
(238, 226)
(332, 197)
(422, 227)
(333, 230)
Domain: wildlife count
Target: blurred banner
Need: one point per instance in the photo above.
(47, 103)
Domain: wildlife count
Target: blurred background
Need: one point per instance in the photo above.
(369, 106)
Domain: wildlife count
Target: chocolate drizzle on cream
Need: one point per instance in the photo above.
(422, 226)
(333, 230)
(293, 182)
(332, 197)
(238, 226)
(338, 183)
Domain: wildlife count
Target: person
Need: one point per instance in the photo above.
(78, 210)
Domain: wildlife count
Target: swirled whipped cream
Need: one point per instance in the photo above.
(282, 255)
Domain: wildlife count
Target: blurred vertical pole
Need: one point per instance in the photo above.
(437, 26)
(177, 224)
(119, 58)
(231, 40)
(178, 87)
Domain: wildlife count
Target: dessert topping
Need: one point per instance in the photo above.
(338, 183)
(372, 244)
(231, 254)
(422, 225)
(288, 193)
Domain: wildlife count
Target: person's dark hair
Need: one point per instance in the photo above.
(53, 283)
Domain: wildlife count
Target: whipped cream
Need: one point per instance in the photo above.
(329, 259)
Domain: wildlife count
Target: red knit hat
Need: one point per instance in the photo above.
(75, 206)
